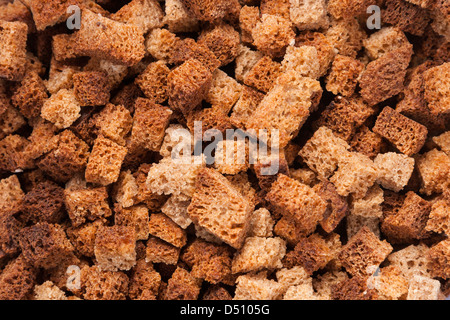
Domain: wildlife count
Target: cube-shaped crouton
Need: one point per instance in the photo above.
(313, 253)
(91, 88)
(145, 14)
(182, 286)
(354, 223)
(394, 170)
(302, 59)
(45, 202)
(217, 292)
(406, 16)
(370, 204)
(384, 41)
(439, 217)
(61, 109)
(258, 254)
(344, 116)
(115, 248)
(356, 174)
(127, 95)
(135, 216)
(297, 201)
(47, 14)
(206, 10)
(164, 228)
(248, 17)
(209, 261)
(64, 47)
(178, 18)
(247, 103)
(159, 251)
(149, 124)
(224, 91)
(223, 40)
(409, 222)
(9, 235)
(437, 92)
(13, 36)
(443, 141)
(309, 15)
(98, 284)
(161, 44)
(11, 119)
(125, 189)
(272, 34)
(347, 8)
(423, 288)
(116, 71)
(218, 207)
(362, 251)
(176, 209)
(153, 81)
(17, 279)
(45, 245)
(346, 36)
(275, 7)
(231, 157)
(434, 172)
(390, 283)
(11, 195)
(245, 61)
(344, 75)
(188, 85)
(188, 48)
(83, 237)
(257, 287)
(104, 162)
(66, 158)
(337, 205)
(439, 257)
(263, 74)
(113, 122)
(30, 95)
(407, 135)
(323, 152)
(14, 153)
(144, 281)
(107, 39)
(367, 142)
(355, 288)
(261, 223)
(87, 204)
(282, 112)
(60, 77)
(48, 291)
(384, 77)
(412, 260)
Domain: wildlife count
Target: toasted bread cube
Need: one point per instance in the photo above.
(49, 13)
(87, 204)
(207, 10)
(91, 88)
(116, 71)
(182, 286)
(245, 61)
(247, 103)
(323, 152)
(308, 15)
(30, 95)
(276, 7)
(439, 217)
(15, 10)
(434, 171)
(45, 245)
(347, 36)
(348, 8)
(64, 47)
(370, 204)
(384, 41)
(356, 174)
(115, 248)
(104, 162)
(108, 39)
(394, 170)
(14, 153)
(164, 228)
(297, 201)
(261, 223)
(258, 254)
(409, 222)
(390, 283)
(13, 36)
(367, 142)
(412, 260)
(272, 34)
(135, 216)
(354, 223)
(337, 205)
(218, 207)
(114, 122)
(11, 195)
(66, 158)
(344, 75)
(189, 84)
(285, 108)
(257, 287)
(159, 251)
(437, 91)
(208, 261)
(363, 250)
(406, 16)
(423, 288)
(178, 18)
(443, 141)
(223, 40)
(145, 14)
(344, 116)
(125, 189)
(439, 256)
(60, 77)
(188, 48)
(9, 235)
(231, 157)
(355, 288)
(145, 282)
(263, 74)
(98, 284)
(217, 292)
(224, 91)
(176, 209)
(384, 77)
(17, 279)
(153, 81)
(83, 237)
(161, 44)
(11, 119)
(302, 59)
(248, 18)
(48, 291)
(407, 135)
(61, 109)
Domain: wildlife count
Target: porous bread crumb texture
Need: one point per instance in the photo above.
(111, 162)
